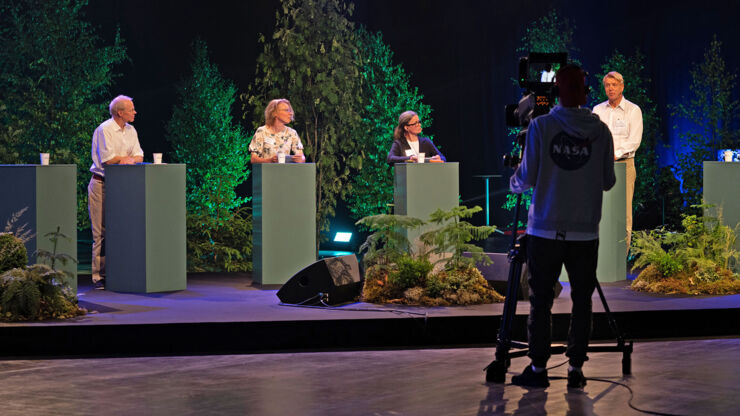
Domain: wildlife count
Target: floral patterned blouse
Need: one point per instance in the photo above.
(267, 145)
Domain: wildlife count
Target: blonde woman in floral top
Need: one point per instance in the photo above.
(275, 136)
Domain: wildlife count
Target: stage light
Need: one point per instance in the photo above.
(342, 237)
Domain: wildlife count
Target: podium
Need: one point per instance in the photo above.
(145, 228)
(49, 192)
(283, 220)
(720, 190)
(421, 188)
(612, 264)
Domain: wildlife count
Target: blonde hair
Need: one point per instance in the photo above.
(403, 121)
(271, 110)
(615, 75)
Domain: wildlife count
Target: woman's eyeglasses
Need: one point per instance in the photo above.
(414, 124)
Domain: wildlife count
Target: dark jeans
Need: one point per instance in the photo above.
(545, 258)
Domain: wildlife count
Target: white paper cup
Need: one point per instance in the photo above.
(728, 155)
(157, 157)
(281, 157)
(44, 158)
(420, 157)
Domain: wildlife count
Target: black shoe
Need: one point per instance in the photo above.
(576, 380)
(529, 378)
(99, 285)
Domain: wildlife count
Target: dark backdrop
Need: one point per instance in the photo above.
(461, 54)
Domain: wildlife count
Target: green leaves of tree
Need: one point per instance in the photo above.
(55, 77)
(311, 60)
(386, 93)
(711, 113)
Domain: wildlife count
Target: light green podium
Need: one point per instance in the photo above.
(721, 181)
(49, 193)
(145, 228)
(612, 265)
(421, 188)
(283, 220)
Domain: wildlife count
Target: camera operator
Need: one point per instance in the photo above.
(569, 161)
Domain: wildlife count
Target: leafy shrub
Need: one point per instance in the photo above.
(454, 236)
(698, 260)
(12, 252)
(36, 293)
(220, 244)
(388, 242)
(411, 272)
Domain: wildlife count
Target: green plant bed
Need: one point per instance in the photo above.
(36, 293)
(698, 261)
(448, 287)
(651, 280)
(395, 274)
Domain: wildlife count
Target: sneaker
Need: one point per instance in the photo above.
(529, 378)
(99, 284)
(576, 380)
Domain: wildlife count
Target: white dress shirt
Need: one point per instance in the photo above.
(109, 141)
(625, 123)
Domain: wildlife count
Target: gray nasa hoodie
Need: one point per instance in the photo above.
(569, 161)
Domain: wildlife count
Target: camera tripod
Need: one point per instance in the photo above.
(496, 370)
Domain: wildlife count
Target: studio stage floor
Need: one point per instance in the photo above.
(225, 313)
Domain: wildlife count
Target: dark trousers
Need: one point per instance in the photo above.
(545, 258)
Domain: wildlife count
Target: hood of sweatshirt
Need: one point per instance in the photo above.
(577, 122)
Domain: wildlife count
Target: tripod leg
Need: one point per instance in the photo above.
(496, 370)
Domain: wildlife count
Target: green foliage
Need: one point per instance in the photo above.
(636, 83)
(36, 293)
(704, 253)
(204, 137)
(411, 272)
(454, 236)
(548, 34)
(386, 93)
(220, 243)
(712, 113)
(310, 59)
(55, 76)
(387, 242)
(465, 286)
(53, 256)
(12, 252)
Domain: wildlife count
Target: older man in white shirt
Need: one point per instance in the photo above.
(624, 120)
(115, 141)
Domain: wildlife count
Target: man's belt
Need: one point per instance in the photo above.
(98, 177)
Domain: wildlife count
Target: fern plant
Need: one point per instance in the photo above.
(454, 236)
(700, 259)
(53, 256)
(35, 293)
(387, 242)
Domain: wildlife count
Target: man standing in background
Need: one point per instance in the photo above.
(115, 141)
(624, 120)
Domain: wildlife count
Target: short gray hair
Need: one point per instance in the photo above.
(615, 75)
(117, 104)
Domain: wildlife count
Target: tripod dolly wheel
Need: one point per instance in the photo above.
(496, 372)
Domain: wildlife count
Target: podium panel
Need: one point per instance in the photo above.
(421, 188)
(50, 194)
(612, 265)
(145, 228)
(283, 219)
(720, 190)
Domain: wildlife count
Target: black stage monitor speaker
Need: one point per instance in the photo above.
(336, 277)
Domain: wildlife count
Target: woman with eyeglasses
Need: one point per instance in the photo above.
(275, 136)
(407, 144)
